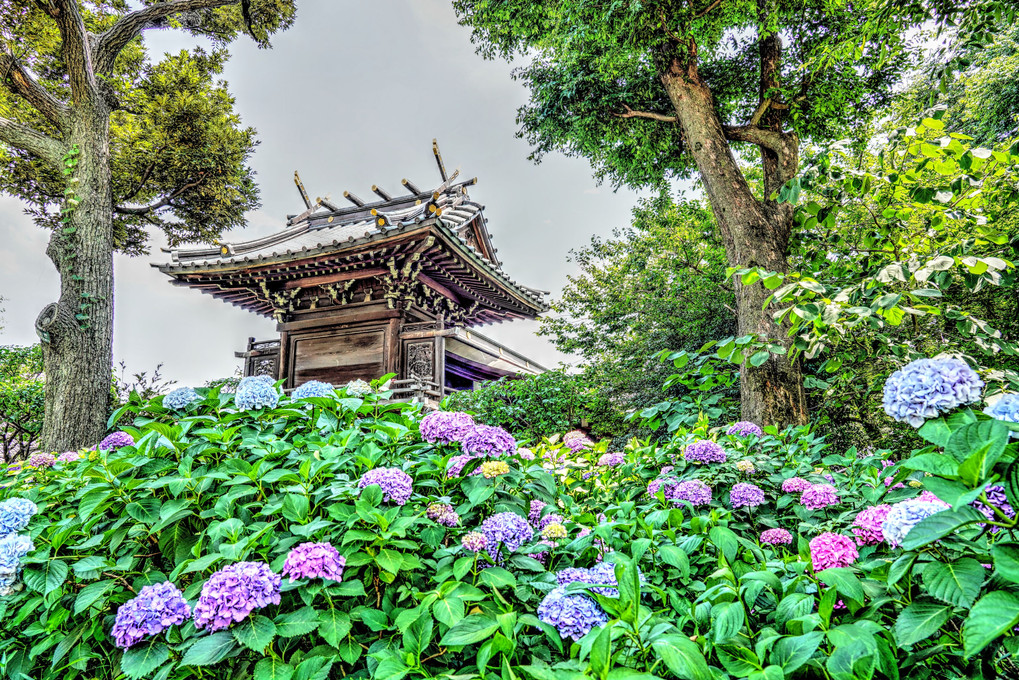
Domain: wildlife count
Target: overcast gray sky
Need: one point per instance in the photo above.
(351, 96)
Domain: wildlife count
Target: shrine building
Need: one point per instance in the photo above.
(394, 285)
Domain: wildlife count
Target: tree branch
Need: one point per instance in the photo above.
(20, 82)
(77, 51)
(630, 113)
(769, 139)
(131, 25)
(706, 10)
(161, 203)
(32, 141)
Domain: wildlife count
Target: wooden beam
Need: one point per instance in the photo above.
(325, 280)
(438, 287)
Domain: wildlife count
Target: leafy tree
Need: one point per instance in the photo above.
(660, 89)
(102, 143)
(656, 285)
(21, 401)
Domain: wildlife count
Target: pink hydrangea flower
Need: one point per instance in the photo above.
(867, 525)
(830, 550)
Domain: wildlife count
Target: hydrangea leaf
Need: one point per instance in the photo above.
(140, 660)
(300, 622)
(333, 626)
(255, 632)
(209, 650)
(683, 657)
(470, 630)
(957, 582)
(995, 613)
(919, 621)
(939, 525)
(792, 652)
(271, 668)
(1006, 560)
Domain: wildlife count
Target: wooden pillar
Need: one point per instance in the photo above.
(282, 367)
(392, 358)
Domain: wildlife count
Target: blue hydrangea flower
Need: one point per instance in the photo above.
(926, 388)
(573, 615)
(180, 398)
(15, 514)
(255, 392)
(153, 610)
(1006, 408)
(904, 516)
(12, 548)
(313, 388)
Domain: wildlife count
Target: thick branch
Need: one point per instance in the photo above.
(20, 82)
(77, 52)
(131, 25)
(161, 203)
(32, 141)
(769, 139)
(630, 113)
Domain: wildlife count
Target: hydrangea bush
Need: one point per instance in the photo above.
(347, 537)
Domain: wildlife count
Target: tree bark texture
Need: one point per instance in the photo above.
(755, 232)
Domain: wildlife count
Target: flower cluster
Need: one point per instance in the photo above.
(15, 514)
(456, 464)
(1005, 408)
(903, 516)
(486, 440)
(926, 388)
(313, 389)
(534, 512)
(443, 514)
(114, 441)
(153, 610)
(235, 591)
(705, 451)
(693, 491)
(314, 560)
(255, 392)
(867, 525)
(68, 457)
(551, 518)
(575, 441)
(41, 460)
(669, 485)
(818, 496)
(744, 495)
(745, 428)
(358, 388)
(525, 453)
(180, 398)
(612, 459)
(506, 529)
(553, 531)
(12, 548)
(996, 497)
(745, 466)
(446, 427)
(494, 468)
(829, 551)
(776, 537)
(573, 615)
(795, 485)
(474, 541)
(396, 484)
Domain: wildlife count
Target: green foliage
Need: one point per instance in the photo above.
(21, 400)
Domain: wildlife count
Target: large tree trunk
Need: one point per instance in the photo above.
(77, 330)
(755, 234)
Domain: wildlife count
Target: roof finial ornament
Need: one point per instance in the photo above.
(438, 159)
(300, 187)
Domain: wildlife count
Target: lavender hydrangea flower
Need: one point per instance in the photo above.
(1005, 408)
(474, 541)
(926, 388)
(314, 560)
(443, 514)
(446, 427)
(612, 459)
(705, 451)
(153, 610)
(795, 485)
(572, 615)
(867, 525)
(693, 491)
(486, 440)
(997, 498)
(358, 388)
(904, 516)
(575, 441)
(180, 398)
(115, 440)
(551, 518)
(776, 537)
(68, 457)
(534, 514)
(255, 392)
(41, 460)
(235, 591)
(570, 575)
(15, 514)
(396, 485)
(819, 496)
(313, 389)
(456, 464)
(744, 495)
(506, 529)
(666, 484)
(745, 428)
(525, 453)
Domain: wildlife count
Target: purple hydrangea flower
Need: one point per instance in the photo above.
(694, 491)
(570, 574)
(114, 441)
(474, 541)
(829, 551)
(396, 485)
(456, 465)
(180, 398)
(795, 485)
(153, 610)
(745, 495)
(572, 615)
(485, 440)
(41, 460)
(525, 453)
(926, 388)
(1005, 408)
(669, 485)
(997, 498)
(705, 451)
(867, 525)
(68, 457)
(313, 389)
(15, 514)
(446, 427)
(745, 428)
(819, 496)
(506, 529)
(255, 392)
(929, 497)
(551, 518)
(612, 459)
(534, 516)
(235, 591)
(904, 516)
(776, 537)
(314, 560)
(575, 441)
(443, 514)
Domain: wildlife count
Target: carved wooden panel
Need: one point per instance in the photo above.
(420, 360)
(339, 358)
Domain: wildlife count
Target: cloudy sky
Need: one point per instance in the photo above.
(351, 96)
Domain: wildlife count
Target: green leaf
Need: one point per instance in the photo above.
(333, 625)
(497, 577)
(676, 557)
(760, 357)
(1006, 560)
(939, 525)
(209, 650)
(448, 610)
(470, 630)
(300, 622)
(935, 463)
(957, 582)
(47, 578)
(992, 615)
(255, 632)
(350, 651)
(919, 621)
(726, 541)
(683, 657)
(90, 594)
(727, 620)
(390, 560)
(844, 581)
(145, 511)
(140, 660)
(315, 668)
(271, 668)
(391, 667)
(792, 652)
(296, 507)
(973, 437)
